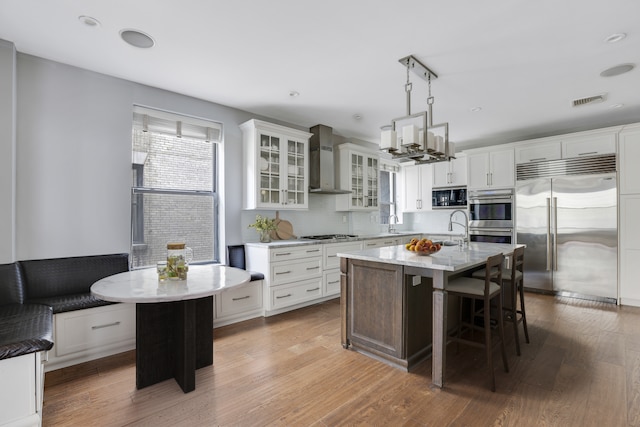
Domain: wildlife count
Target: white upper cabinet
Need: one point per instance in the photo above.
(539, 152)
(629, 176)
(450, 174)
(276, 172)
(581, 144)
(588, 145)
(416, 189)
(491, 169)
(357, 172)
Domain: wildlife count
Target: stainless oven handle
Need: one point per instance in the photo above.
(491, 231)
(555, 234)
(548, 234)
(490, 199)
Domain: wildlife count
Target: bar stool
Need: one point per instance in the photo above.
(513, 279)
(487, 289)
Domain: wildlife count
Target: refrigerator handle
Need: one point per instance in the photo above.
(555, 234)
(548, 234)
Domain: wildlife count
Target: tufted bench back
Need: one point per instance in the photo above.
(11, 284)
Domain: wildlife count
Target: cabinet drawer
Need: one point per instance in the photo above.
(331, 260)
(295, 293)
(288, 254)
(368, 244)
(87, 329)
(296, 270)
(239, 299)
(331, 283)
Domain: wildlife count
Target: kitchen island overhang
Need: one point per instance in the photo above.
(394, 304)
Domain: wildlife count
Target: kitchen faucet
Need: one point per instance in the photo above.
(391, 226)
(465, 225)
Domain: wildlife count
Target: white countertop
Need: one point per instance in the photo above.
(142, 286)
(449, 258)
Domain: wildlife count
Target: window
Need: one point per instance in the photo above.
(388, 189)
(174, 186)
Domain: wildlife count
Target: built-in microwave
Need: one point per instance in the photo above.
(443, 198)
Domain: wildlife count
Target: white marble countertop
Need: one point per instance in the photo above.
(303, 242)
(449, 258)
(142, 286)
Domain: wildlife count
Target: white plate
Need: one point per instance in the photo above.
(264, 165)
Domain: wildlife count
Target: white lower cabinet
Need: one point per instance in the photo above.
(292, 275)
(22, 390)
(83, 335)
(239, 303)
(331, 265)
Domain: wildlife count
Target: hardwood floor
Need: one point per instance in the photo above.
(582, 368)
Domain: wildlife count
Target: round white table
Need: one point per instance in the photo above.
(174, 319)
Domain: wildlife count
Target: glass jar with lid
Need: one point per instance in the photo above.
(178, 258)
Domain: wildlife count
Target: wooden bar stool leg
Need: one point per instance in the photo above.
(522, 312)
(487, 342)
(514, 314)
(501, 331)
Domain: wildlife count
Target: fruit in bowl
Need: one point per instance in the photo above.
(423, 246)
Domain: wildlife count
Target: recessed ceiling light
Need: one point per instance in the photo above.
(614, 38)
(617, 70)
(137, 38)
(616, 106)
(89, 21)
(357, 116)
(475, 109)
(294, 93)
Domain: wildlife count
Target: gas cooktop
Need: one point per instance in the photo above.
(329, 237)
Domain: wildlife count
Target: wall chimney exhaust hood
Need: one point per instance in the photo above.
(321, 162)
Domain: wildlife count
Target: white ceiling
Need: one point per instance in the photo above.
(521, 61)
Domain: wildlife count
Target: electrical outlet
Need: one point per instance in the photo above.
(344, 219)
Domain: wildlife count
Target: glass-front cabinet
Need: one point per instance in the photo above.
(358, 172)
(276, 166)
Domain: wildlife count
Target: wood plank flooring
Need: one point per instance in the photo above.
(582, 368)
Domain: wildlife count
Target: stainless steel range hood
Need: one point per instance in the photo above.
(321, 162)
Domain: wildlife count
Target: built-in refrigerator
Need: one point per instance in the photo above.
(569, 227)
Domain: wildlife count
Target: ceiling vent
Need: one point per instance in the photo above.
(588, 100)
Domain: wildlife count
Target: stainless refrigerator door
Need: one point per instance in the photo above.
(533, 228)
(586, 235)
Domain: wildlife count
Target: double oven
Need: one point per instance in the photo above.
(491, 216)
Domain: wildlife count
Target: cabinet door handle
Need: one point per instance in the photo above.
(105, 325)
(332, 256)
(488, 180)
(312, 268)
(241, 298)
(283, 296)
(312, 290)
(388, 243)
(334, 282)
(283, 272)
(313, 250)
(283, 253)
(589, 153)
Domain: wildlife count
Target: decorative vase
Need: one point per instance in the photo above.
(265, 236)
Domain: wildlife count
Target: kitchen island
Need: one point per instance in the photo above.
(394, 302)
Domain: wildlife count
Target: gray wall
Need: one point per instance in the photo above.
(74, 158)
(7, 151)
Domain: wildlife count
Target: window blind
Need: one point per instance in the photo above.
(147, 119)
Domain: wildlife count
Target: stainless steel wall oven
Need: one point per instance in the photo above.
(491, 216)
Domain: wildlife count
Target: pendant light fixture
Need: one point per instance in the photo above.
(414, 136)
